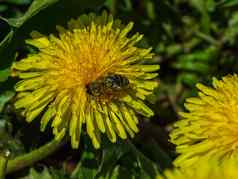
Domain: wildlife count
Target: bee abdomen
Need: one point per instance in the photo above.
(116, 81)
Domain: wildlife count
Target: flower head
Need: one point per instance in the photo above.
(207, 169)
(209, 128)
(91, 73)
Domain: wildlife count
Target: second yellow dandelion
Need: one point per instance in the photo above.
(209, 128)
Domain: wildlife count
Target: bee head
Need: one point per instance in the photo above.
(94, 89)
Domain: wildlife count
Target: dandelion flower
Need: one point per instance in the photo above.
(54, 82)
(209, 128)
(207, 169)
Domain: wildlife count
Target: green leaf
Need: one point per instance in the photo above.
(7, 141)
(231, 33)
(124, 156)
(19, 2)
(4, 129)
(150, 8)
(5, 50)
(146, 165)
(211, 5)
(174, 49)
(188, 79)
(35, 7)
(229, 3)
(5, 97)
(120, 160)
(198, 61)
(3, 8)
(192, 66)
(4, 74)
(198, 4)
(67, 7)
(110, 156)
(47, 173)
(202, 7)
(128, 5)
(6, 55)
(84, 172)
(42, 16)
(7, 31)
(155, 152)
(86, 168)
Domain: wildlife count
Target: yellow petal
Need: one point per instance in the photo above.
(139, 106)
(129, 118)
(120, 129)
(117, 111)
(48, 115)
(109, 129)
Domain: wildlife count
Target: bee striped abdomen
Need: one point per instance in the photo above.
(116, 82)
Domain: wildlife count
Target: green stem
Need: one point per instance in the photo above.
(3, 163)
(114, 7)
(207, 38)
(34, 156)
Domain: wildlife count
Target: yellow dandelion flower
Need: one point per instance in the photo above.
(91, 73)
(209, 128)
(207, 169)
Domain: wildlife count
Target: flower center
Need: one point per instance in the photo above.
(88, 57)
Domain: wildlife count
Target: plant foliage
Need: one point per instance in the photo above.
(193, 40)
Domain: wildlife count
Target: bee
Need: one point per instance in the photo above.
(108, 85)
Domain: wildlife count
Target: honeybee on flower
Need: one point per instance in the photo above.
(89, 74)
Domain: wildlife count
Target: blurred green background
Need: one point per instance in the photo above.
(193, 41)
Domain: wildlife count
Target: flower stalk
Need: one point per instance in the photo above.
(3, 163)
(33, 156)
